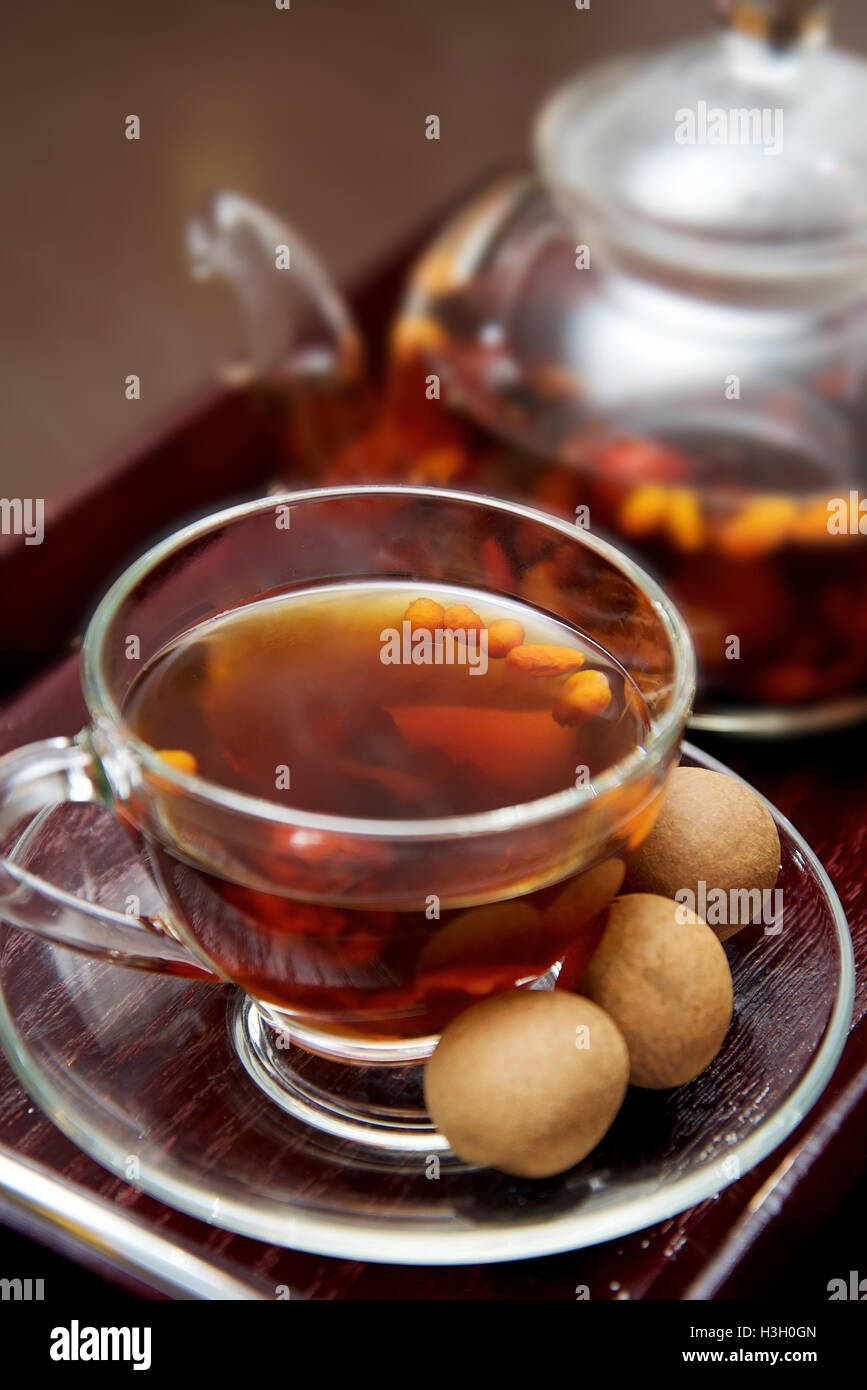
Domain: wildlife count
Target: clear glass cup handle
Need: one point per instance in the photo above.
(45, 774)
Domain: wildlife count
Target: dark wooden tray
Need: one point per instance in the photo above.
(733, 1246)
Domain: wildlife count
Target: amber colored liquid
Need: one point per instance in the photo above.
(289, 699)
(754, 559)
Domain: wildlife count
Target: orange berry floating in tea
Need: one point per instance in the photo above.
(381, 701)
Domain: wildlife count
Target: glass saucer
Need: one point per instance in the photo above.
(140, 1071)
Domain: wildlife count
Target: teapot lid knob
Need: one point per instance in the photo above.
(780, 22)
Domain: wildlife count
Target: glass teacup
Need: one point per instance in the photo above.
(324, 921)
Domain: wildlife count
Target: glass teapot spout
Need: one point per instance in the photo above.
(304, 361)
(296, 323)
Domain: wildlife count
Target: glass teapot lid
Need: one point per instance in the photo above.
(719, 189)
(744, 150)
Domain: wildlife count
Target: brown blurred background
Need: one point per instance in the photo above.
(317, 111)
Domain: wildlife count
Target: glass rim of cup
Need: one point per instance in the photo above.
(104, 709)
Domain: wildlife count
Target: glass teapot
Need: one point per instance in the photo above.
(660, 332)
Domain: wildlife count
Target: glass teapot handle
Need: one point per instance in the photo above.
(297, 324)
